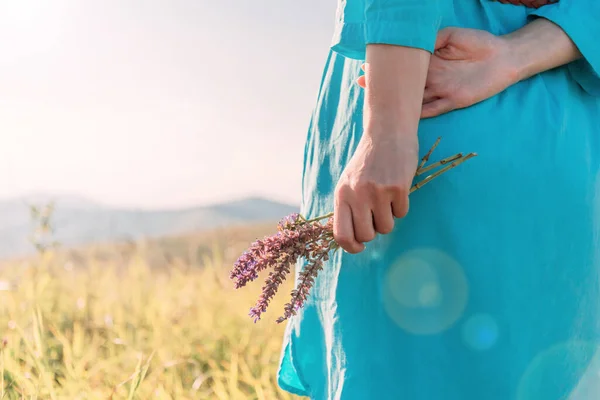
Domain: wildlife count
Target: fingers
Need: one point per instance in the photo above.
(362, 219)
(429, 95)
(437, 107)
(358, 219)
(362, 81)
(383, 217)
(400, 206)
(343, 228)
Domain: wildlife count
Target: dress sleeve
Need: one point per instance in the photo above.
(410, 23)
(580, 19)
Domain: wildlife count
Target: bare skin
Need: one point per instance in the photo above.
(470, 65)
(467, 67)
(374, 187)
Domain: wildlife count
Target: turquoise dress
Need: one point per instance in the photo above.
(490, 288)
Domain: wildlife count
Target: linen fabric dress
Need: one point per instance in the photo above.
(490, 288)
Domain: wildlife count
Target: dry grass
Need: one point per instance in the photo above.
(112, 322)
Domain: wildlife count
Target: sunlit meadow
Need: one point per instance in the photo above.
(157, 319)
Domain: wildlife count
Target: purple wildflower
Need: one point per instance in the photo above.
(318, 254)
(298, 245)
(296, 238)
(275, 278)
(288, 222)
(264, 254)
(241, 264)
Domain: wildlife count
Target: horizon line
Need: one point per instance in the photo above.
(124, 206)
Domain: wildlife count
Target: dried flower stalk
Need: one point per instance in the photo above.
(310, 239)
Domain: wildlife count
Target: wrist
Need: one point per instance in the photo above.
(518, 57)
(530, 52)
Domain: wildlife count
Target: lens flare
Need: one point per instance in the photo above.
(480, 332)
(569, 371)
(425, 291)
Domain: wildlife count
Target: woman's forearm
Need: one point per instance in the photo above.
(395, 82)
(540, 46)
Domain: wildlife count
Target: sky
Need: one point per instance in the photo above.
(158, 103)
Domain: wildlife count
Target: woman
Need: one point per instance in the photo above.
(489, 288)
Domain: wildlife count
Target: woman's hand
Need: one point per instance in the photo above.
(374, 187)
(468, 66)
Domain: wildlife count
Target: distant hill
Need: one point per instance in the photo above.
(78, 221)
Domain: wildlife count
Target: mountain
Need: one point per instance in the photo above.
(79, 221)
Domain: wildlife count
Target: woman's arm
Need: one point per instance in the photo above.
(399, 35)
(579, 19)
(530, 52)
(375, 184)
(393, 98)
(470, 65)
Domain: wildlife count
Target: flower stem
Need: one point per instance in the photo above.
(431, 177)
(426, 158)
(456, 160)
(445, 161)
(320, 218)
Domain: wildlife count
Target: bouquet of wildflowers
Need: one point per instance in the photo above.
(311, 239)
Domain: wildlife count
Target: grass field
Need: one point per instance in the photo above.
(137, 321)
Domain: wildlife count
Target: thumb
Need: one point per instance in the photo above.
(443, 38)
(437, 107)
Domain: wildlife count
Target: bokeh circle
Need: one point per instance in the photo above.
(425, 291)
(566, 371)
(480, 332)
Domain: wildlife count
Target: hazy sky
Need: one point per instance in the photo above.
(158, 103)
